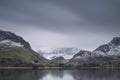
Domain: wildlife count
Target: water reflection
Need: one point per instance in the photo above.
(59, 75)
(96, 75)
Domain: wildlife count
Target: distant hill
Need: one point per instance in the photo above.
(59, 60)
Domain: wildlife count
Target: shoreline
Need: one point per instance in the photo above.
(58, 68)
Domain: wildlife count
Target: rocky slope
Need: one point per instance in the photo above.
(112, 48)
(14, 50)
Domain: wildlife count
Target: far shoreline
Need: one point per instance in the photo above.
(59, 68)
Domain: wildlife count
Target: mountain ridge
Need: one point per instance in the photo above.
(14, 50)
(102, 54)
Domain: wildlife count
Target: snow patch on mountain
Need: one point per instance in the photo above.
(114, 51)
(97, 53)
(10, 43)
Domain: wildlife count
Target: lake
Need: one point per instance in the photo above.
(59, 75)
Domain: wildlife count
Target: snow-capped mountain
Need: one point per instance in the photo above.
(98, 55)
(85, 56)
(67, 53)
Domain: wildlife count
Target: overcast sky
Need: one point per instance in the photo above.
(50, 24)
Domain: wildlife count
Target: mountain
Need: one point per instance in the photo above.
(15, 51)
(67, 53)
(104, 54)
(86, 57)
(59, 59)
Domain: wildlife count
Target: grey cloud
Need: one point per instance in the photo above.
(78, 19)
(100, 13)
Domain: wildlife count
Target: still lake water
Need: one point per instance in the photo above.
(59, 75)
